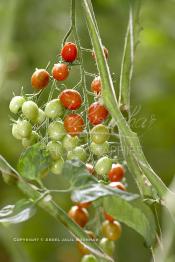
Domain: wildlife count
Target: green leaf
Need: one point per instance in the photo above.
(34, 162)
(20, 212)
(134, 214)
(85, 187)
(96, 191)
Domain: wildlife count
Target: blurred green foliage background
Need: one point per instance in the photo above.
(30, 36)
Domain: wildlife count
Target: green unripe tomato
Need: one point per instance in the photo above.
(89, 258)
(54, 109)
(70, 142)
(108, 246)
(77, 153)
(103, 166)
(16, 104)
(24, 128)
(55, 149)
(57, 166)
(30, 110)
(15, 132)
(56, 130)
(41, 116)
(99, 134)
(33, 139)
(99, 149)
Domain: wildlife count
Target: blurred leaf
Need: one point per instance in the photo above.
(85, 187)
(20, 212)
(34, 162)
(134, 214)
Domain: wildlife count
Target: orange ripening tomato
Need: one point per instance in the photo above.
(40, 79)
(79, 215)
(96, 85)
(60, 71)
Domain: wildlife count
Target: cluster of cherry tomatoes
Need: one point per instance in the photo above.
(64, 126)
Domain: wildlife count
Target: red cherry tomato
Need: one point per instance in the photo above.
(40, 79)
(69, 52)
(116, 173)
(97, 113)
(60, 71)
(79, 215)
(108, 217)
(105, 52)
(73, 124)
(71, 99)
(118, 185)
(96, 85)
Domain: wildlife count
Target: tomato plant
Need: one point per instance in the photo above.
(81, 146)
